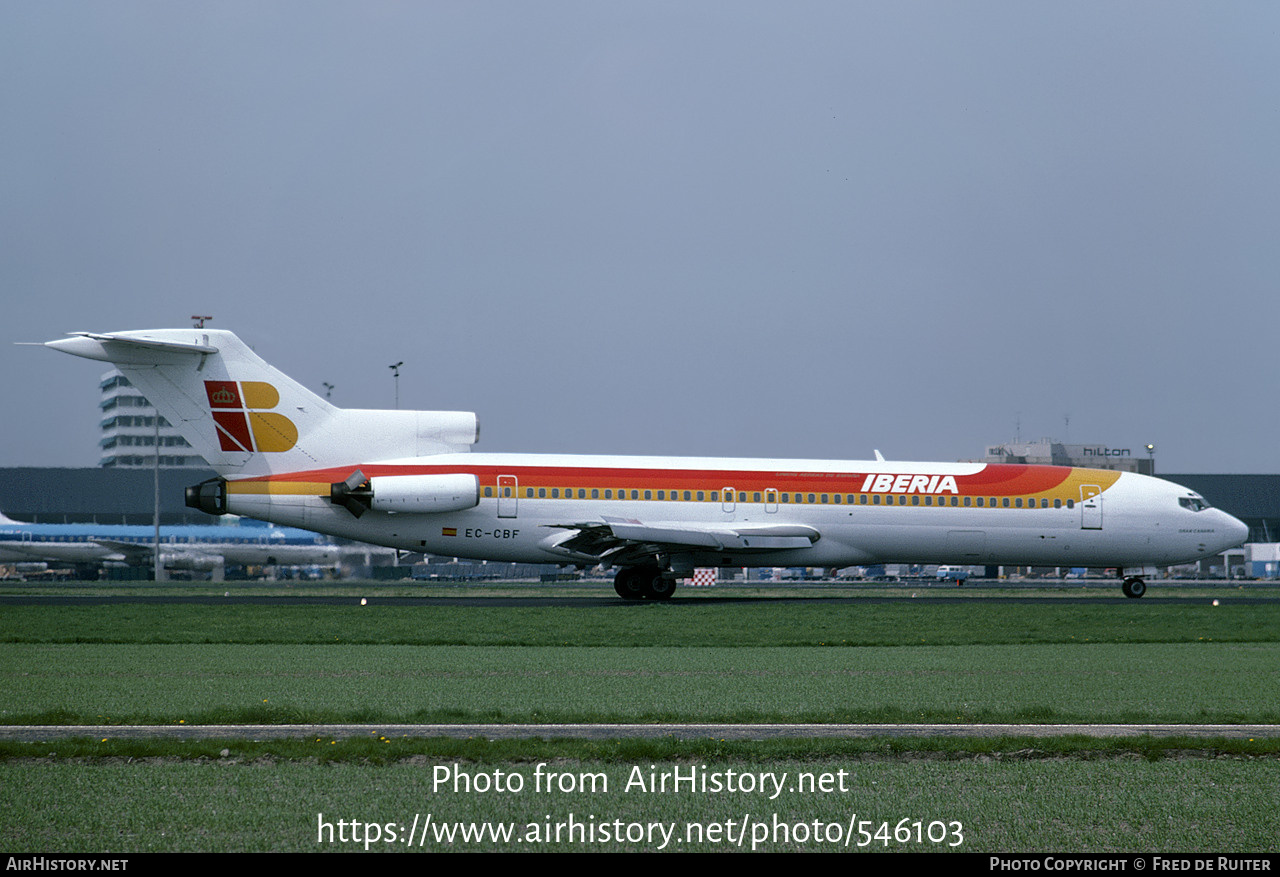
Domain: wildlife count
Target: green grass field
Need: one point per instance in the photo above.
(694, 659)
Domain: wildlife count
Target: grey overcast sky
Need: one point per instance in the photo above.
(799, 229)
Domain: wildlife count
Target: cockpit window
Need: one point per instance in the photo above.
(1194, 503)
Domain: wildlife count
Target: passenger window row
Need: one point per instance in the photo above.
(788, 498)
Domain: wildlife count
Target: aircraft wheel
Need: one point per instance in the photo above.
(1134, 587)
(629, 583)
(659, 586)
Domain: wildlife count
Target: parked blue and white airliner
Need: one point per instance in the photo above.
(191, 547)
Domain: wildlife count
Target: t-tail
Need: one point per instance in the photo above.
(248, 419)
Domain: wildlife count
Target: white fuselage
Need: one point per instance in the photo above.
(865, 512)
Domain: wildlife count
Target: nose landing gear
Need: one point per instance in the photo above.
(1133, 586)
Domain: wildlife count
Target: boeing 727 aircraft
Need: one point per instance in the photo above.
(407, 480)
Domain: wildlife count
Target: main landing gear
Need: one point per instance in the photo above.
(1133, 586)
(643, 583)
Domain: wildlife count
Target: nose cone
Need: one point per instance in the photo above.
(1235, 531)
(1228, 532)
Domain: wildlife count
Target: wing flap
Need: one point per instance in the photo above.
(720, 538)
(622, 540)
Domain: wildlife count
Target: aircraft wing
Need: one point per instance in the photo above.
(131, 552)
(620, 541)
(186, 556)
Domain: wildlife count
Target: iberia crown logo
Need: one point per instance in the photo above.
(244, 421)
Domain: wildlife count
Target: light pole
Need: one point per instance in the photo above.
(158, 564)
(395, 370)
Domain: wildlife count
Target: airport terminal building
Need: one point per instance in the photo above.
(133, 432)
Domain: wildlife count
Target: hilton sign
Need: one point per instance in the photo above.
(1105, 452)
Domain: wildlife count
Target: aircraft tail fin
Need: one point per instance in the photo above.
(247, 418)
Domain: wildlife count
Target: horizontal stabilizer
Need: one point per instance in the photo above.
(127, 347)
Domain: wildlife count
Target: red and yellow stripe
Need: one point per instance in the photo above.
(994, 480)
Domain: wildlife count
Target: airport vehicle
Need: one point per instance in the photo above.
(951, 573)
(205, 547)
(408, 480)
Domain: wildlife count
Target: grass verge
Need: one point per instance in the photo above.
(695, 660)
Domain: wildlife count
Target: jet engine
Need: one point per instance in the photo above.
(199, 563)
(409, 494)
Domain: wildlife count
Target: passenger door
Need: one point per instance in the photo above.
(1090, 507)
(508, 488)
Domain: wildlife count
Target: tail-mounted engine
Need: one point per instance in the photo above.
(354, 494)
(409, 494)
(209, 496)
